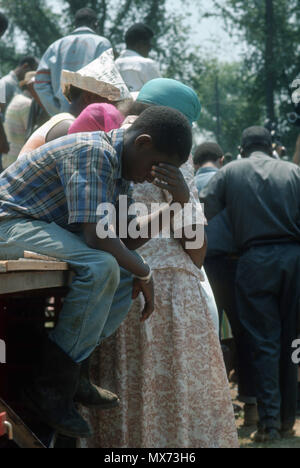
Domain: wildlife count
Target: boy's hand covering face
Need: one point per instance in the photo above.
(170, 178)
(147, 289)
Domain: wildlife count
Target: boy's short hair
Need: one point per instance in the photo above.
(207, 152)
(3, 24)
(170, 131)
(85, 17)
(255, 138)
(137, 33)
(32, 62)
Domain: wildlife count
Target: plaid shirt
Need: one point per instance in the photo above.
(64, 181)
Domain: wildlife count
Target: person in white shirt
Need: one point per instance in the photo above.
(134, 65)
(71, 52)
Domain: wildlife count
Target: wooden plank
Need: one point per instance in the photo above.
(26, 281)
(37, 256)
(24, 264)
(22, 435)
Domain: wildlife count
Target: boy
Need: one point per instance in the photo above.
(48, 204)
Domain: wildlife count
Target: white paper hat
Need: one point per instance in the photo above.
(99, 77)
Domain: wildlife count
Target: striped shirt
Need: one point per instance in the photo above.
(15, 126)
(65, 180)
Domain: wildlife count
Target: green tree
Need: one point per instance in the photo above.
(34, 24)
(270, 30)
(227, 111)
(224, 89)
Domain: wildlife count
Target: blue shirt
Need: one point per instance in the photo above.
(203, 176)
(65, 180)
(218, 231)
(71, 53)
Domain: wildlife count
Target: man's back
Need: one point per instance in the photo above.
(136, 70)
(262, 197)
(71, 53)
(218, 230)
(203, 176)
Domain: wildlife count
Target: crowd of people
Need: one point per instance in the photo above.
(82, 129)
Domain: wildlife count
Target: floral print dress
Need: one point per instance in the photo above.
(169, 371)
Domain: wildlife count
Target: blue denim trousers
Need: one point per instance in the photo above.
(99, 297)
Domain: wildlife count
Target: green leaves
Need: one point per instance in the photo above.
(271, 30)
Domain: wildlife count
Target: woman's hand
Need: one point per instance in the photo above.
(170, 178)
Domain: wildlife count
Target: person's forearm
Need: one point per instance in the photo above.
(44, 90)
(150, 226)
(116, 247)
(197, 255)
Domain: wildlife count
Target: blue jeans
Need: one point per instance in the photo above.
(99, 297)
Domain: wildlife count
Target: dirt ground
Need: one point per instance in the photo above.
(245, 432)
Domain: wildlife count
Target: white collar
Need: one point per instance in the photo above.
(130, 53)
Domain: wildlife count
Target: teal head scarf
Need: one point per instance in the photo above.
(171, 93)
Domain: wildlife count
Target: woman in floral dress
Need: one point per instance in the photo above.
(168, 371)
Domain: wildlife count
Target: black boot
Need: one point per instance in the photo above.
(90, 395)
(52, 393)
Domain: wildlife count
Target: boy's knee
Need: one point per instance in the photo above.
(107, 269)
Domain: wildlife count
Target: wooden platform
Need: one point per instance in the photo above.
(26, 285)
(32, 273)
(21, 281)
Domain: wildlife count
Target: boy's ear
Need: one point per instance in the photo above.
(143, 140)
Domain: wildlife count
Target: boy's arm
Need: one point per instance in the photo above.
(116, 247)
(171, 179)
(190, 230)
(127, 260)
